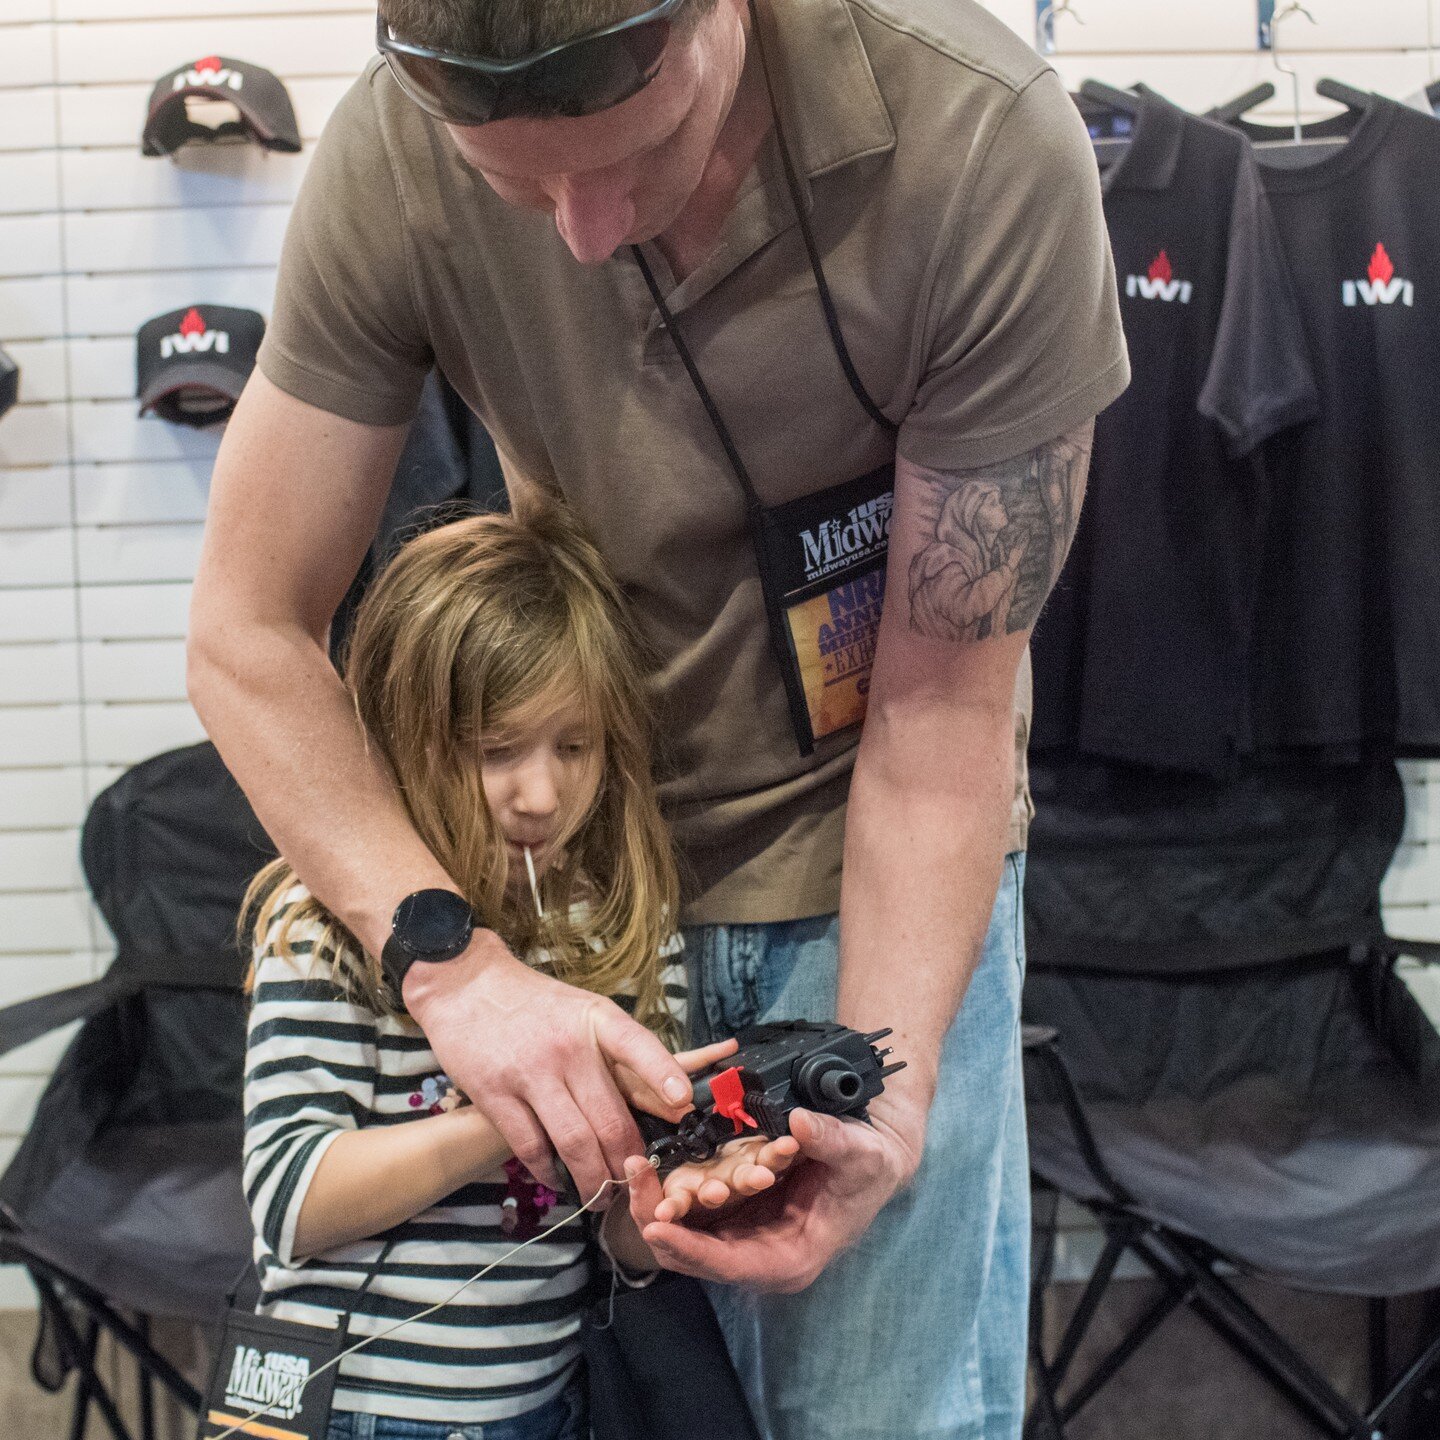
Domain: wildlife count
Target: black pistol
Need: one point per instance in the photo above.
(780, 1067)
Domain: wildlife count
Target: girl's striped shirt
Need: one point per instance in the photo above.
(318, 1064)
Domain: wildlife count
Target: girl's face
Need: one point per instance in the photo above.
(541, 768)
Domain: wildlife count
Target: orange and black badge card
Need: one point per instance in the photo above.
(822, 562)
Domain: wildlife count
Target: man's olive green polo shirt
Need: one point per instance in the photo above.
(956, 205)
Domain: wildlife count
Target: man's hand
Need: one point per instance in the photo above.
(536, 1056)
(845, 1172)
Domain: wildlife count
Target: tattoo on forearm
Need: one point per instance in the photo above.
(994, 540)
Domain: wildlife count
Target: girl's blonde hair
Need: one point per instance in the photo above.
(469, 624)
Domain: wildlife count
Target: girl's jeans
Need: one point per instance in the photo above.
(918, 1332)
(562, 1419)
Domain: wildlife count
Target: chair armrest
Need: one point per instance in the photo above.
(1427, 952)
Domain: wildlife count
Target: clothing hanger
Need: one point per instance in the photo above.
(1232, 110)
(1047, 12)
(1300, 147)
(1346, 95)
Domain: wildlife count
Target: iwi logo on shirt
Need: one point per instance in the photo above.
(272, 1381)
(1159, 283)
(211, 73)
(194, 337)
(1381, 286)
(859, 535)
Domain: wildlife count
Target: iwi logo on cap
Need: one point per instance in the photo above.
(1159, 283)
(1381, 286)
(194, 338)
(210, 72)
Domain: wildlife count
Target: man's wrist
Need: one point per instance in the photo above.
(424, 983)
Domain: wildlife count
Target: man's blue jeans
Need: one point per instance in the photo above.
(918, 1332)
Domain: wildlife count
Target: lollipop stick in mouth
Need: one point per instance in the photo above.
(534, 884)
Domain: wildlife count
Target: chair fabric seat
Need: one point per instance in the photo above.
(152, 1217)
(1287, 1116)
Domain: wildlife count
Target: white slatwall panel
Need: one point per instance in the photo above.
(100, 511)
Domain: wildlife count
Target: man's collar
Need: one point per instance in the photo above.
(831, 106)
(1150, 160)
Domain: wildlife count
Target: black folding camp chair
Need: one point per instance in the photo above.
(124, 1201)
(1223, 1096)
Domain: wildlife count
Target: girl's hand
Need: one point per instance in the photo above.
(743, 1167)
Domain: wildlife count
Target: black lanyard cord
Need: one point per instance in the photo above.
(827, 303)
(706, 399)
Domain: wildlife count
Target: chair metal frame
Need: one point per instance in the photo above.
(1194, 1274)
(61, 1295)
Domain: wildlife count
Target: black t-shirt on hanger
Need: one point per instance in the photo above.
(1347, 645)
(1141, 653)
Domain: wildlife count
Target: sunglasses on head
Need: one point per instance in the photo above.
(579, 77)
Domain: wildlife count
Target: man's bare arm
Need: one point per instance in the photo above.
(295, 501)
(296, 498)
(973, 554)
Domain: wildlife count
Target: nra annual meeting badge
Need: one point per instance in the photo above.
(822, 564)
(274, 1364)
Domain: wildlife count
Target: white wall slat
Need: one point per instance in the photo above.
(152, 610)
(35, 435)
(37, 614)
(127, 734)
(41, 799)
(118, 305)
(36, 557)
(39, 1057)
(29, 182)
(40, 923)
(27, 119)
(184, 9)
(39, 735)
(143, 50)
(132, 553)
(27, 57)
(19, 11)
(129, 494)
(37, 499)
(19, 1095)
(42, 370)
(39, 674)
(29, 245)
(31, 310)
(134, 669)
(127, 180)
(115, 430)
(102, 369)
(1414, 877)
(221, 238)
(37, 860)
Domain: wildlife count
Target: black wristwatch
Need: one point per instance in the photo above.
(430, 925)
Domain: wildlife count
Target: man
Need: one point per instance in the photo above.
(479, 219)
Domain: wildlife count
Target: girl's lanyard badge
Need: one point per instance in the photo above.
(281, 1368)
(822, 557)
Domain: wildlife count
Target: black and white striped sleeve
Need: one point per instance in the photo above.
(310, 1070)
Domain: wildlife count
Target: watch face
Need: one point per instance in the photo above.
(433, 923)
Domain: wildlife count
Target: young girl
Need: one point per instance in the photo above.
(493, 666)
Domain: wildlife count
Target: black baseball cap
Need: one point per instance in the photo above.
(192, 364)
(9, 382)
(266, 114)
